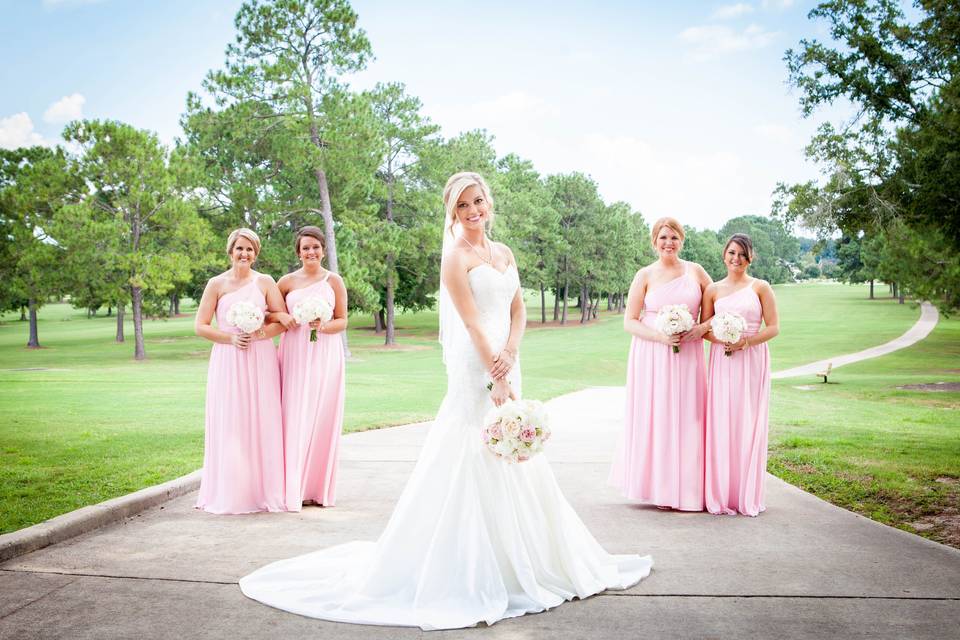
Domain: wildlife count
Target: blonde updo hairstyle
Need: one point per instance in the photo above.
(670, 223)
(243, 232)
(455, 186)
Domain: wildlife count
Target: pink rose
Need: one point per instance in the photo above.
(528, 434)
(494, 431)
(485, 434)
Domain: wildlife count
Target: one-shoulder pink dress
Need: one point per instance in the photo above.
(243, 437)
(660, 459)
(737, 405)
(312, 375)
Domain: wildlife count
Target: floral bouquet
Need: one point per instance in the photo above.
(673, 319)
(310, 309)
(517, 429)
(728, 327)
(245, 316)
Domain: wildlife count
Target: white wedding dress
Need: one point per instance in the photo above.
(473, 538)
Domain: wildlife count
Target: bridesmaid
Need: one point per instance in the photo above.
(738, 391)
(243, 438)
(660, 460)
(312, 375)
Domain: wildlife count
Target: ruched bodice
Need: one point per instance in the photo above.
(681, 290)
(249, 292)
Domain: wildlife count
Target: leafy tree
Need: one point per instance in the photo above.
(34, 183)
(705, 248)
(407, 223)
(137, 199)
(282, 70)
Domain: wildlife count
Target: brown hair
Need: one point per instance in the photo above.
(743, 241)
(309, 231)
(668, 222)
(243, 232)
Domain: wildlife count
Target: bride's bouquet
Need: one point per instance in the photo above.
(312, 308)
(245, 316)
(517, 429)
(728, 327)
(673, 319)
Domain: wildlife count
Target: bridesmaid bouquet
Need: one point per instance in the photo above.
(517, 429)
(728, 327)
(673, 319)
(310, 309)
(245, 316)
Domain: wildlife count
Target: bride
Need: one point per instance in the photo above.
(473, 538)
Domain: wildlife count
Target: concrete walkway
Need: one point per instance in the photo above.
(803, 569)
(929, 316)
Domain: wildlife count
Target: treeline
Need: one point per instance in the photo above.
(276, 140)
(892, 174)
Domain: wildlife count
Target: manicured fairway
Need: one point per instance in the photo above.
(81, 422)
(866, 444)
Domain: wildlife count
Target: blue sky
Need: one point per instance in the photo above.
(678, 108)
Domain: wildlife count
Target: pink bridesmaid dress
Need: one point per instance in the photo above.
(737, 405)
(660, 460)
(243, 438)
(312, 375)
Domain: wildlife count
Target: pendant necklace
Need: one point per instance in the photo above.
(489, 260)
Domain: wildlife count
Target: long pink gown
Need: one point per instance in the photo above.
(312, 391)
(660, 459)
(243, 438)
(737, 407)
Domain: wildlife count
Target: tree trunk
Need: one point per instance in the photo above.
(584, 303)
(871, 288)
(119, 337)
(621, 302)
(609, 302)
(377, 321)
(556, 302)
(390, 339)
(33, 342)
(563, 317)
(170, 306)
(23, 313)
(136, 293)
(893, 290)
(543, 305)
(109, 310)
(901, 294)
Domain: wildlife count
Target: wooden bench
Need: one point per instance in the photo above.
(826, 372)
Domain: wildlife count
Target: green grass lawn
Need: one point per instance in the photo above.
(864, 444)
(81, 422)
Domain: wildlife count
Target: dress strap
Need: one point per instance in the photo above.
(326, 277)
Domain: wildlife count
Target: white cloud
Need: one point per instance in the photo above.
(65, 109)
(776, 4)
(703, 189)
(778, 133)
(710, 41)
(503, 112)
(728, 11)
(17, 131)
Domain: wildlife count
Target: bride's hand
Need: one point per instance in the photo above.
(501, 392)
(502, 364)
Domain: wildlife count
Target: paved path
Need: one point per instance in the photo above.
(803, 569)
(920, 330)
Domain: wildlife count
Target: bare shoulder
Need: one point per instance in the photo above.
(286, 279)
(698, 270)
(711, 289)
(762, 286)
(265, 279)
(336, 279)
(506, 251)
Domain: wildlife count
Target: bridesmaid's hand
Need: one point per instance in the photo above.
(502, 364)
(670, 341)
(736, 346)
(316, 324)
(696, 333)
(240, 340)
(501, 392)
(287, 320)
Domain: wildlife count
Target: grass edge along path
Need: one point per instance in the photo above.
(882, 438)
